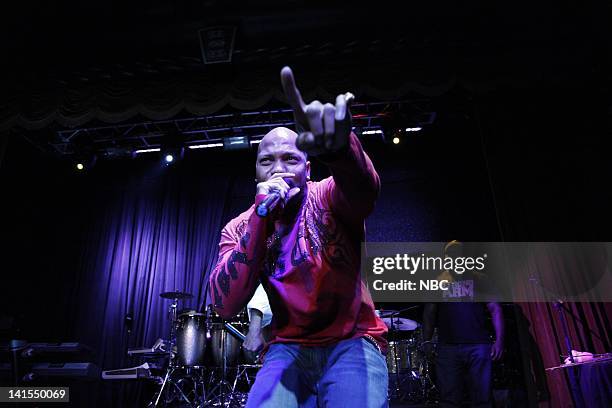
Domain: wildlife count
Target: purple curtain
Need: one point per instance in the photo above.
(152, 233)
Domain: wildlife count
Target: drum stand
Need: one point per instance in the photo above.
(395, 393)
(178, 388)
(243, 371)
(411, 384)
(177, 377)
(242, 374)
(428, 387)
(222, 394)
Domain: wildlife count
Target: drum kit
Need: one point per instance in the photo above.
(205, 365)
(408, 364)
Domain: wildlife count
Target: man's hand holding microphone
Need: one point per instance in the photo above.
(277, 190)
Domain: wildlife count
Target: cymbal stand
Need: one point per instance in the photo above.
(428, 387)
(172, 315)
(396, 393)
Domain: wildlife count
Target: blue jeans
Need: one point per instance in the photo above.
(457, 364)
(351, 373)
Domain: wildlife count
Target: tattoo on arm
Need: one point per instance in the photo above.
(239, 257)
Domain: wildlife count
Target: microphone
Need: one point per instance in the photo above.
(263, 209)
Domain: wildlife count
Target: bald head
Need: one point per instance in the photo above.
(277, 153)
(279, 136)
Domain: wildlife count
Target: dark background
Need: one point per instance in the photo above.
(518, 150)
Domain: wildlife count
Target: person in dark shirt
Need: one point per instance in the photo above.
(464, 351)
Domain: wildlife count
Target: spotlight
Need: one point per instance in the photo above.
(171, 156)
(396, 140)
(84, 161)
(172, 148)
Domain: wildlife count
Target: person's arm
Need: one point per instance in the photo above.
(254, 341)
(260, 304)
(260, 316)
(236, 275)
(355, 185)
(497, 350)
(325, 131)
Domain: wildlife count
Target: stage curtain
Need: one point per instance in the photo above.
(589, 330)
(150, 232)
(546, 183)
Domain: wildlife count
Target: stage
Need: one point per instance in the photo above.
(154, 158)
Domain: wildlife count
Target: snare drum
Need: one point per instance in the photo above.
(191, 338)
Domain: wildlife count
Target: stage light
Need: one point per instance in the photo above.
(236, 143)
(206, 146)
(396, 140)
(84, 161)
(139, 151)
(371, 135)
(172, 156)
(413, 129)
(172, 147)
(117, 152)
(372, 132)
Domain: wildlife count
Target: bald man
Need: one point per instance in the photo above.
(327, 342)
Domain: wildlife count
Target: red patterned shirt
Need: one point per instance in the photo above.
(308, 261)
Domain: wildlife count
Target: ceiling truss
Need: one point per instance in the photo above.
(125, 138)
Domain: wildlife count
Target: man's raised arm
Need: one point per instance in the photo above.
(325, 131)
(356, 184)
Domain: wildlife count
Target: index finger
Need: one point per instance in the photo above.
(291, 91)
(282, 175)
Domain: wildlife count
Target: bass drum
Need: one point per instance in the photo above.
(191, 339)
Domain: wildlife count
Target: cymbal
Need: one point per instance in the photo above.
(400, 323)
(387, 313)
(176, 295)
